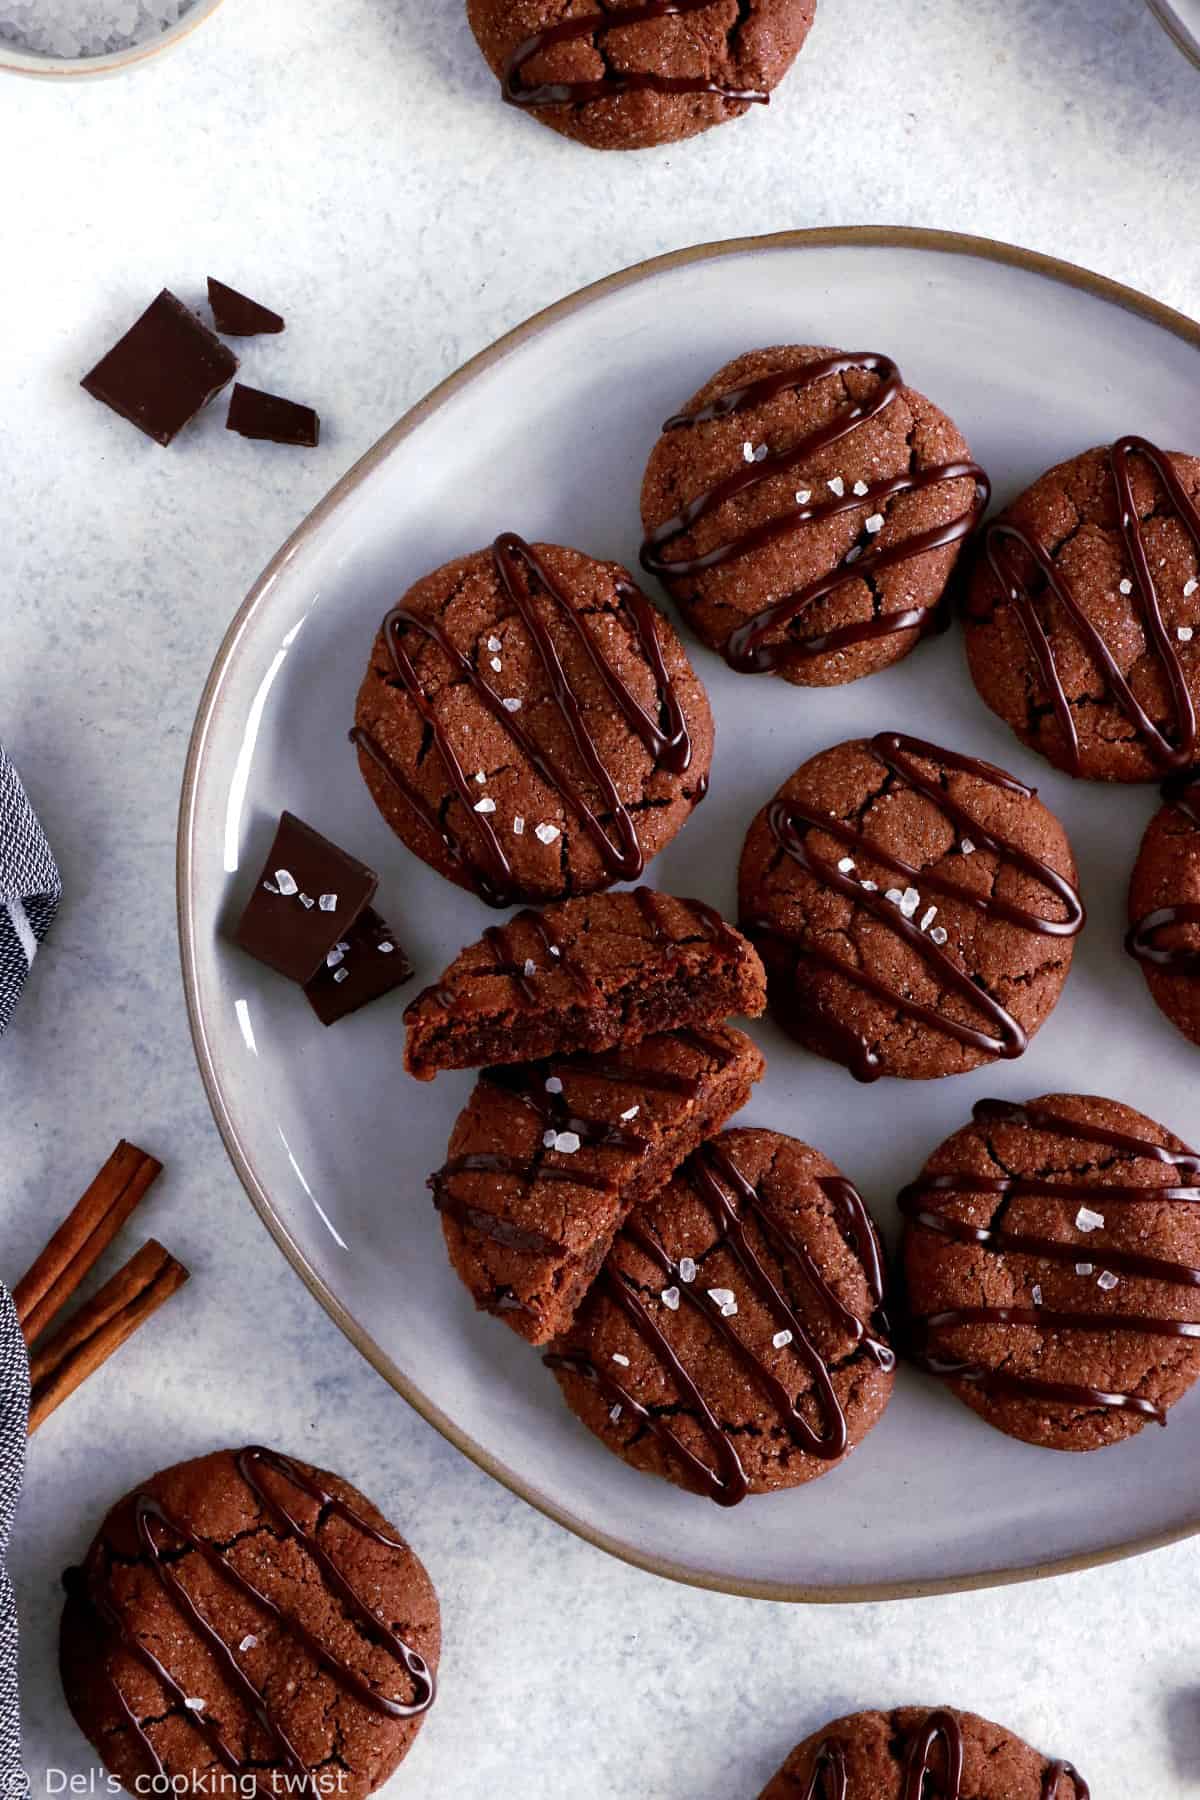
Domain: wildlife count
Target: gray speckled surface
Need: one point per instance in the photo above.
(352, 165)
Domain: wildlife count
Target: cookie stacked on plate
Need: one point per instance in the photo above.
(700, 1293)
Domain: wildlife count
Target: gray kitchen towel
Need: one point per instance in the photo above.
(14, 1415)
(30, 891)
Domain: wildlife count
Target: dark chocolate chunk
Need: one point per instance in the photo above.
(305, 901)
(163, 370)
(363, 965)
(239, 316)
(269, 416)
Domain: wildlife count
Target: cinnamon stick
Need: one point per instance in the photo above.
(83, 1237)
(100, 1327)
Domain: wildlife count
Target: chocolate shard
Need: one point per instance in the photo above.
(272, 418)
(163, 371)
(237, 315)
(364, 964)
(305, 901)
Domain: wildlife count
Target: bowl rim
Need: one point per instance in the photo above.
(41, 66)
(1180, 34)
(861, 236)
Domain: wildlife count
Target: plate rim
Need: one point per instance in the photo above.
(819, 237)
(1179, 33)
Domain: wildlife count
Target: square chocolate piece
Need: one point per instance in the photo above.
(272, 418)
(307, 898)
(163, 370)
(363, 965)
(236, 315)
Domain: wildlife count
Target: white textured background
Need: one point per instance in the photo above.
(350, 163)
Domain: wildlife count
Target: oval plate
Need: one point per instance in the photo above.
(547, 432)
(1182, 21)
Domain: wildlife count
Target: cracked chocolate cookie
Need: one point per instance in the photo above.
(1083, 619)
(646, 73)
(915, 908)
(914, 1751)
(530, 726)
(248, 1615)
(586, 975)
(1052, 1258)
(806, 510)
(1164, 905)
(734, 1342)
(547, 1159)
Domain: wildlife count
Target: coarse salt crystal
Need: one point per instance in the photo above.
(1035, 1293)
(1083, 1268)
(548, 1138)
(687, 1269)
(760, 455)
(270, 887)
(853, 554)
(722, 1296)
(480, 776)
(195, 1705)
(615, 1412)
(836, 486)
(938, 935)
(782, 1339)
(545, 833)
(530, 966)
(870, 887)
(748, 451)
(1106, 1280)
(860, 488)
(328, 902)
(967, 847)
(518, 826)
(670, 1299)
(497, 665)
(846, 865)
(1127, 586)
(335, 956)
(248, 1642)
(486, 805)
(623, 1361)
(307, 902)
(386, 948)
(341, 974)
(894, 895)
(1184, 634)
(568, 1142)
(874, 523)
(553, 1084)
(803, 496)
(1189, 587)
(928, 917)
(631, 1112)
(1087, 1220)
(909, 902)
(511, 703)
(493, 643)
(286, 882)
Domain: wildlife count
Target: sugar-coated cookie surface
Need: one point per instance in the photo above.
(672, 68)
(918, 1751)
(734, 1343)
(530, 726)
(1051, 1262)
(1083, 619)
(806, 509)
(248, 1615)
(915, 908)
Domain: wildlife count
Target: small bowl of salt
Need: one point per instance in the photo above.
(62, 38)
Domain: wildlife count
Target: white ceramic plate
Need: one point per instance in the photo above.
(547, 433)
(1182, 19)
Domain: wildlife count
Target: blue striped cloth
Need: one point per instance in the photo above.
(14, 1414)
(29, 891)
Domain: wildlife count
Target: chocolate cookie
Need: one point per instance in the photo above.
(806, 510)
(1164, 905)
(915, 908)
(734, 1342)
(1083, 621)
(585, 975)
(530, 725)
(914, 1752)
(546, 1160)
(642, 74)
(246, 1615)
(1052, 1257)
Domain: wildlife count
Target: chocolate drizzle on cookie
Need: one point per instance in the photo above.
(921, 1201)
(829, 1778)
(527, 1084)
(783, 953)
(1028, 593)
(933, 1766)
(614, 82)
(485, 863)
(1142, 940)
(732, 1200)
(747, 648)
(160, 1536)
